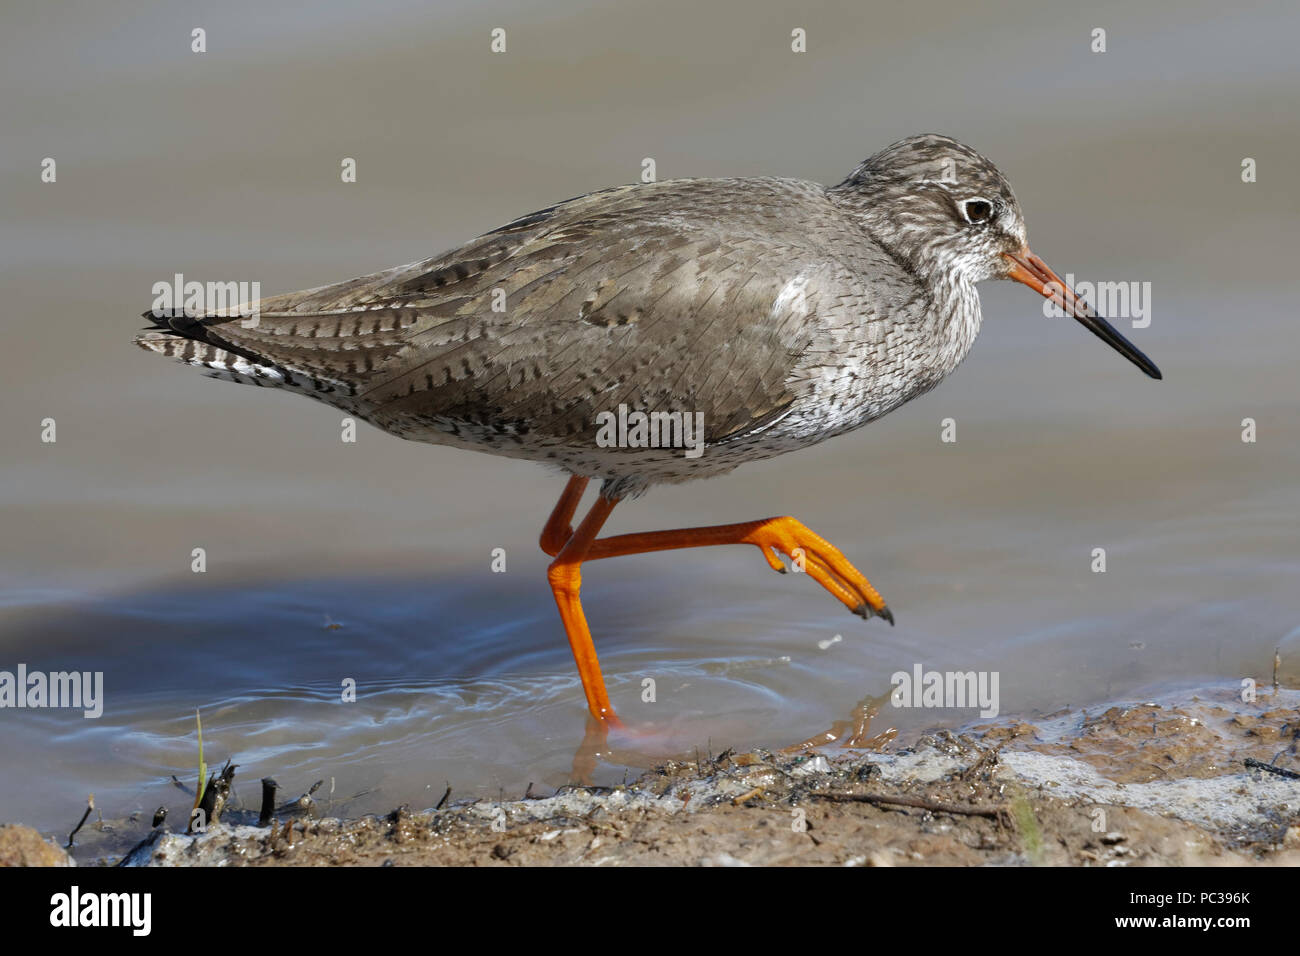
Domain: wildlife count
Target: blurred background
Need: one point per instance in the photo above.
(225, 165)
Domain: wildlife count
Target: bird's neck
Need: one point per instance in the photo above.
(953, 318)
(957, 315)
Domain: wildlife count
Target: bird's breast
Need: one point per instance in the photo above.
(868, 360)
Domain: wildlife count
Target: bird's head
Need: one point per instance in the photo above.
(950, 214)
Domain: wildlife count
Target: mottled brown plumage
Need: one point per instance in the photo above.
(779, 309)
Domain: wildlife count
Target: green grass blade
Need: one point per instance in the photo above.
(203, 768)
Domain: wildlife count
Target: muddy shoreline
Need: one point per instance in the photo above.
(1207, 780)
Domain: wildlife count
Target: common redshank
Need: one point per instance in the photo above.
(660, 332)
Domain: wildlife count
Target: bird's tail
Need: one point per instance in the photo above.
(197, 341)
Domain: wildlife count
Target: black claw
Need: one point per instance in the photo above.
(864, 611)
(780, 570)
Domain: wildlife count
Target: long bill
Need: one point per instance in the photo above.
(1035, 273)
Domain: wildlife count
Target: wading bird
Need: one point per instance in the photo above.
(776, 312)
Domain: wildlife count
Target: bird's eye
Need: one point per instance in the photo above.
(977, 210)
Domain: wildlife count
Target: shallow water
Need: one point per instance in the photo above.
(371, 561)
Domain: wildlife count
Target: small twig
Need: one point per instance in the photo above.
(182, 785)
(445, 795)
(305, 802)
(90, 805)
(1268, 767)
(988, 756)
(918, 803)
(216, 793)
(269, 786)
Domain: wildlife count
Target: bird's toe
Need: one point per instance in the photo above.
(865, 612)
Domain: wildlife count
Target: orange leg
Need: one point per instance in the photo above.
(557, 530)
(565, 577)
(821, 559)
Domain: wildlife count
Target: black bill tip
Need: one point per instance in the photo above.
(1112, 337)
